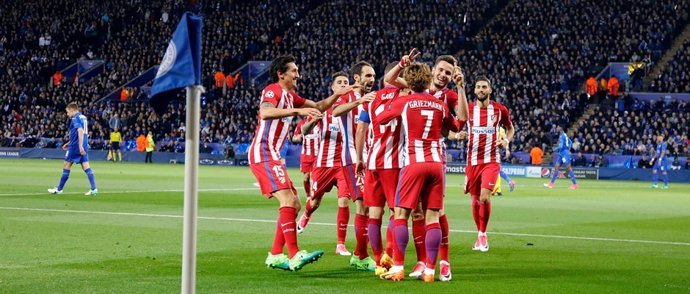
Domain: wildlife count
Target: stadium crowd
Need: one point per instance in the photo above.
(631, 131)
(538, 73)
(675, 77)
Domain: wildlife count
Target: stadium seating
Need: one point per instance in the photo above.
(537, 72)
(675, 77)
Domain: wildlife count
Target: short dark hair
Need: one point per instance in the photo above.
(483, 78)
(389, 67)
(356, 69)
(280, 64)
(73, 106)
(447, 58)
(338, 74)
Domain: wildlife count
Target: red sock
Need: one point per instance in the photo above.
(307, 187)
(419, 232)
(278, 240)
(361, 230)
(390, 238)
(287, 224)
(475, 212)
(484, 213)
(443, 248)
(342, 220)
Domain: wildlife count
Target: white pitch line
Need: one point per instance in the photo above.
(125, 192)
(330, 224)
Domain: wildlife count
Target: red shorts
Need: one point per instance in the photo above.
(355, 184)
(379, 187)
(323, 179)
(272, 176)
(306, 163)
(481, 176)
(421, 182)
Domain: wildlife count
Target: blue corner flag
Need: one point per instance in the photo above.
(181, 64)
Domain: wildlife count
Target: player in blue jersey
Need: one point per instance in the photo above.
(562, 157)
(659, 163)
(77, 149)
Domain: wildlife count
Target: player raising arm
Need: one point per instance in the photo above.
(424, 120)
(279, 103)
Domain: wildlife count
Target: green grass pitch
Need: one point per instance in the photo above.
(606, 237)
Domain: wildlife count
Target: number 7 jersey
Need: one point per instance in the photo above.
(423, 118)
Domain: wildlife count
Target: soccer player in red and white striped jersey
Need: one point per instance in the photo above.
(424, 121)
(279, 103)
(310, 147)
(328, 171)
(442, 72)
(382, 165)
(347, 108)
(335, 165)
(485, 117)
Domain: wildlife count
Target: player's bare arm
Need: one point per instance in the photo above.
(80, 131)
(359, 146)
(347, 107)
(457, 136)
(311, 123)
(268, 111)
(462, 110)
(393, 76)
(325, 104)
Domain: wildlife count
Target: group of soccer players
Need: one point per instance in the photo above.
(382, 148)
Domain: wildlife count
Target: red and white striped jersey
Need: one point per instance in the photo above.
(331, 146)
(385, 149)
(448, 96)
(310, 141)
(271, 134)
(423, 118)
(348, 126)
(483, 124)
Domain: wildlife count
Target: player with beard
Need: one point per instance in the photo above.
(442, 72)
(425, 120)
(382, 167)
(485, 117)
(345, 115)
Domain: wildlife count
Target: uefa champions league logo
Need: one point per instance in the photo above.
(168, 60)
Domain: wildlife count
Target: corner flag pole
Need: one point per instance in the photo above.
(191, 189)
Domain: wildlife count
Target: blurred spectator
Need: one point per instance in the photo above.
(536, 155)
(600, 161)
(229, 152)
(643, 162)
(580, 160)
(675, 165)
